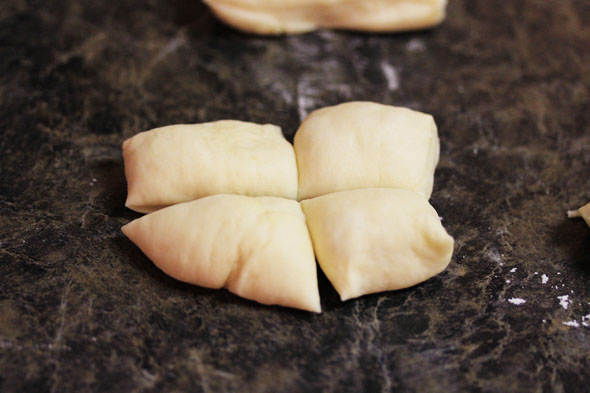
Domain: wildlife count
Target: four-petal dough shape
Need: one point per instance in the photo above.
(258, 248)
(180, 163)
(364, 145)
(583, 212)
(299, 16)
(375, 240)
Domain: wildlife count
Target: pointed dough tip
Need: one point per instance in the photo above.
(126, 229)
(573, 213)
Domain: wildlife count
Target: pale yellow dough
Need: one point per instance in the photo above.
(299, 16)
(583, 212)
(181, 163)
(258, 248)
(363, 145)
(375, 240)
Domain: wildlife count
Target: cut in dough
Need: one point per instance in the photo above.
(181, 163)
(299, 16)
(583, 212)
(364, 145)
(258, 248)
(375, 240)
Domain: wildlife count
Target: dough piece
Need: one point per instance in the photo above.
(363, 145)
(181, 163)
(299, 16)
(375, 240)
(258, 248)
(583, 212)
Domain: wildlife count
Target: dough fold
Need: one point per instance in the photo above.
(374, 240)
(363, 145)
(180, 163)
(300, 16)
(258, 248)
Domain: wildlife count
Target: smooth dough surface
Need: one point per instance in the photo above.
(299, 16)
(258, 248)
(375, 240)
(181, 163)
(363, 145)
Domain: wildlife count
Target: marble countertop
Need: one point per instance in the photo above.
(82, 309)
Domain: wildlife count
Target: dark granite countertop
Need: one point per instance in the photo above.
(81, 308)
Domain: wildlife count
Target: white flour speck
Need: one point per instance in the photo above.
(507, 281)
(306, 93)
(303, 105)
(544, 279)
(512, 270)
(564, 301)
(415, 45)
(571, 323)
(391, 75)
(494, 256)
(558, 272)
(517, 301)
(536, 273)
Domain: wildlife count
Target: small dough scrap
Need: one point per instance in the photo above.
(374, 240)
(583, 212)
(300, 16)
(258, 248)
(364, 145)
(181, 163)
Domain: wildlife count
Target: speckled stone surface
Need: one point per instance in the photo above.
(81, 308)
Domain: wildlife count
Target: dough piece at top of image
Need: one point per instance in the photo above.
(181, 163)
(257, 247)
(300, 16)
(375, 240)
(363, 145)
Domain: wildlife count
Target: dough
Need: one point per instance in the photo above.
(258, 248)
(583, 212)
(375, 240)
(363, 145)
(299, 16)
(181, 163)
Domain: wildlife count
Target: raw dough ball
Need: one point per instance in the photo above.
(299, 16)
(181, 163)
(258, 248)
(363, 145)
(375, 240)
(583, 212)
